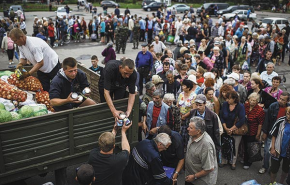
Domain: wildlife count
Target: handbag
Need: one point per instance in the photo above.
(243, 130)
(254, 151)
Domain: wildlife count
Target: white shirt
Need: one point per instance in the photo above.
(268, 78)
(35, 50)
(158, 47)
(22, 25)
(221, 31)
(131, 24)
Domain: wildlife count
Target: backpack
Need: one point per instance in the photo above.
(10, 43)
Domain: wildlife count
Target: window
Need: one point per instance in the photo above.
(278, 21)
(284, 21)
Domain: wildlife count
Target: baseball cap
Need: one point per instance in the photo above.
(235, 76)
(200, 98)
(149, 85)
(144, 45)
(186, 42)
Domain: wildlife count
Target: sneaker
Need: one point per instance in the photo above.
(246, 167)
(262, 170)
(10, 63)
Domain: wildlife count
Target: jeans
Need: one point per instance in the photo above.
(266, 162)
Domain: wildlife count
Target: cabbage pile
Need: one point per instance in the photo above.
(5, 116)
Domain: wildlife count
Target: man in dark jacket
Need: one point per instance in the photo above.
(210, 118)
(275, 111)
(69, 79)
(145, 165)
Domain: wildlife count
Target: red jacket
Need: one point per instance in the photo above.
(50, 31)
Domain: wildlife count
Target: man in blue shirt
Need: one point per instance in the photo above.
(248, 14)
(142, 29)
(240, 31)
(144, 63)
(150, 29)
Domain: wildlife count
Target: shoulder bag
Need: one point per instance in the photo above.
(243, 130)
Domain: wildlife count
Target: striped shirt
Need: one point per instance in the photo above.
(255, 118)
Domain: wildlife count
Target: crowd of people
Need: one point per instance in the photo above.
(204, 102)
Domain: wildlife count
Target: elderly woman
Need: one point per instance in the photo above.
(242, 53)
(280, 147)
(255, 117)
(109, 53)
(169, 99)
(217, 59)
(275, 91)
(231, 110)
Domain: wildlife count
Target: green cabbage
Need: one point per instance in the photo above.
(26, 111)
(5, 73)
(39, 109)
(5, 116)
(15, 116)
(2, 106)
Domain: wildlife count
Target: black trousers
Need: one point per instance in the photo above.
(143, 72)
(246, 140)
(150, 32)
(52, 41)
(142, 35)
(45, 78)
(10, 53)
(110, 36)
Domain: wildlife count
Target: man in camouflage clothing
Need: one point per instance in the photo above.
(118, 37)
(124, 30)
(136, 34)
(148, 96)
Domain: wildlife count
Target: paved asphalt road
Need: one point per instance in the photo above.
(84, 50)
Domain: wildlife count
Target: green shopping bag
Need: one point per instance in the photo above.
(170, 38)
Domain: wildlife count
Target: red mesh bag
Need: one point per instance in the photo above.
(10, 92)
(42, 97)
(29, 84)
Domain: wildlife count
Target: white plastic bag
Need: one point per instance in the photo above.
(245, 66)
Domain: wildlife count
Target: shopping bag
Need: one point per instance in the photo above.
(170, 39)
(254, 151)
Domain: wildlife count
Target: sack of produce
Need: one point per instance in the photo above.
(30, 83)
(5, 116)
(42, 97)
(11, 93)
(39, 109)
(26, 111)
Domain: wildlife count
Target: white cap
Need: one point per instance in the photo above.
(235, 76)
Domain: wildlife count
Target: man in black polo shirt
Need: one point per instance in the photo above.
(116, 77)
(174, 155)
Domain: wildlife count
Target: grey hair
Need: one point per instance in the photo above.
(163, 138)
(270, 63)
(230, 81)
(209, 73)
(169, 72)
(158, 93)
(168, 96)
(199, 123)
(254, 95)
(191, 72)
